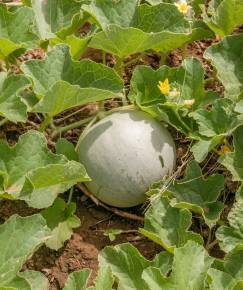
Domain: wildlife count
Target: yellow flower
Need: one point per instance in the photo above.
(189, 103)
(224, 149)
(182, 6)
(164, 87)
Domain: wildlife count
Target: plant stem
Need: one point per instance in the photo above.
(45, 123)
(214, 74)
(123, 108)
(71, 126)
(163, 57)
(133, 61)
(119, 65)
(70, 196)
(3, 121)
(104, 57)
(184, 51)
(13, 4)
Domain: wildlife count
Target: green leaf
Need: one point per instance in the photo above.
(189, 270)
(225, 16)
(231, 236)
(220, 120)
(59, 66)
(133, 28)
(77, 45)
(112, 233)
(11, 105)
(189, 79)
(168, 226)
(104, 279)
(227, 54)
(16, 30)
(215, 124)
(198, 194)
(201, 149)
(126, 264)
(32, 173)
(233, 263)
(234, 161)
(63, 96)
(19, 238)
(66, 148)
(36, 280)
(163, 261)
(221, 280)
(61, 220)
(78, 280)
(56, 17)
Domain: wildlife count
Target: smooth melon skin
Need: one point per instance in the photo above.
(124, 154)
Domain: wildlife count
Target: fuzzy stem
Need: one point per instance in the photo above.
(13, 4)
(104, 57)
(45, 123)
(184, 51)
(70, 196)
(119, 65)
(163, 57)
(71, 126)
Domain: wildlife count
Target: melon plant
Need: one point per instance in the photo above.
(124, 154)
(60, 61)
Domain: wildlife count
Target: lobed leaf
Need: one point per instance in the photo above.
(189, 269)
(61, 220)
(233, 161)
(26, 234)
(136, 28)
(12, 106)
(77, 280)
(227, 54)
(56, 17)
(224, 16)
(29, 171)
(231, 236)
(16, 30)
(62, 83)
(198, 194)
(168, 226)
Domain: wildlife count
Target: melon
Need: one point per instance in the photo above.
(124, 153)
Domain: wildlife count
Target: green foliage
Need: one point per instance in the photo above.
(56, 17)
(232, 235)
(15, 32)
(168, 226)
(129, 29)
(26, 234)
(61, 220)
(224, 16)
(12, 106)
(198, 194)
(181, 208)
(227, 54)
(59, 66)
(233, 160)
(29, 171)
(214, 125)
